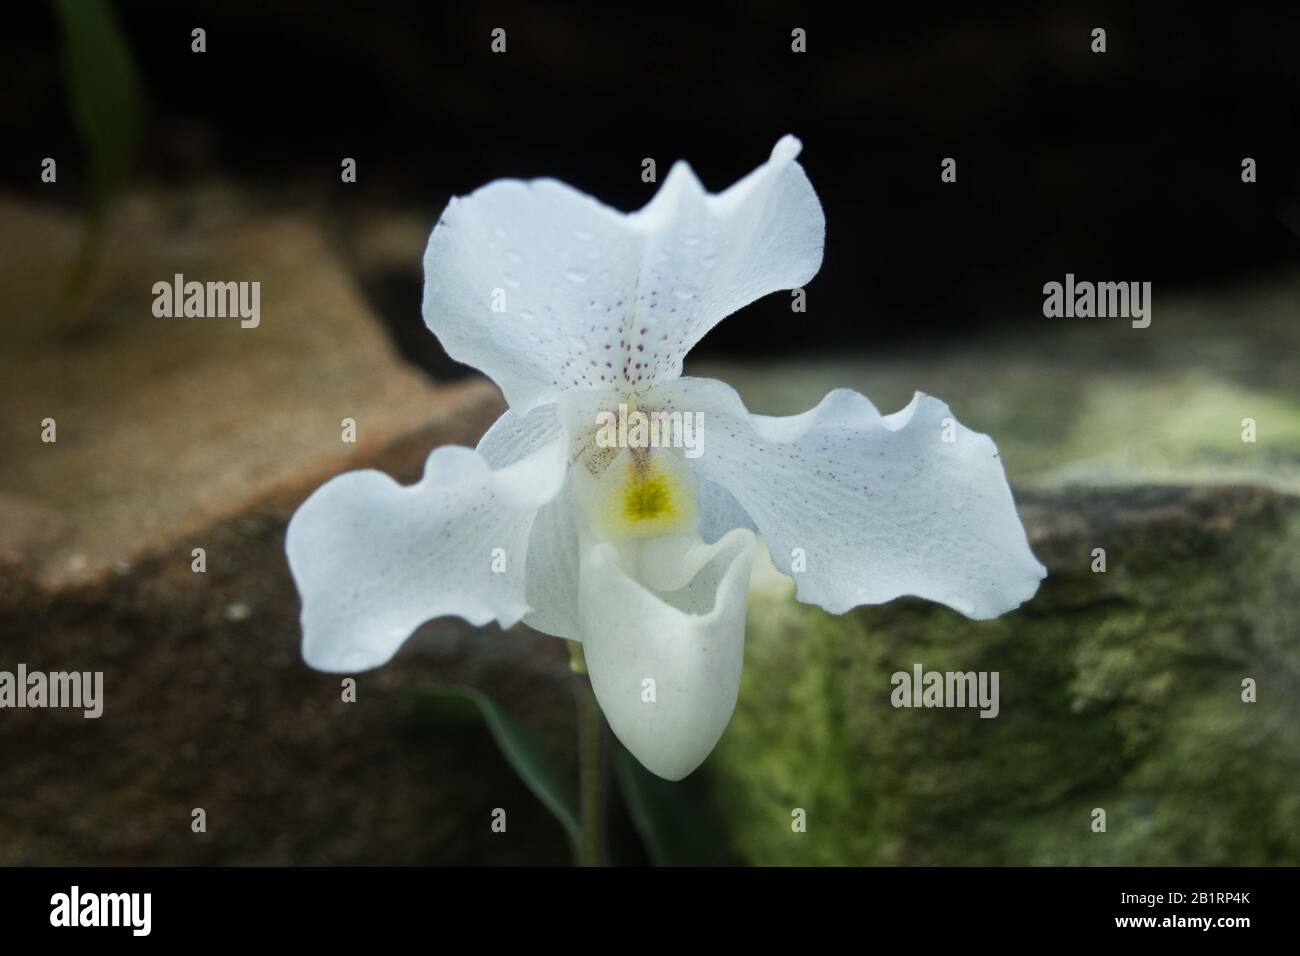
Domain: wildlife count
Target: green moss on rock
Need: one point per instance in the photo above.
(1120, 690)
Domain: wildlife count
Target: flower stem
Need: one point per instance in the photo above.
(593, 762)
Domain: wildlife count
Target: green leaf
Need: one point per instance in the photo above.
(106, 102)
(528, 755)
(678, 822)
(103, 90)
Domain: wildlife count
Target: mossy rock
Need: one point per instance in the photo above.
(1082, 403)
(1119, 690)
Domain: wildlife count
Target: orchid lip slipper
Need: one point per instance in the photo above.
(641, 549)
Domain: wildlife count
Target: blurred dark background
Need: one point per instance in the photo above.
(1120, 166)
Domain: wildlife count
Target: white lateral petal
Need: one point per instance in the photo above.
(689, 641)
(595, 298)
(720, 512)
(374, 559)
(515, 436)
(878, 506)
(552, 575)
(551, 578)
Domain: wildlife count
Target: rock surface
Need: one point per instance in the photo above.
(1120, 690)
(181, 433)
(165, 425)
(1086, 402)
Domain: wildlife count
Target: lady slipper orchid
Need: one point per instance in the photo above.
(570, 517)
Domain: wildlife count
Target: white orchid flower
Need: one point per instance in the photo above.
(644, 553)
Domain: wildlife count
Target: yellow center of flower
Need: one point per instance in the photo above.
(646, 496)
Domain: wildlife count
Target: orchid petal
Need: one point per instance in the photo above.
(664, 653)
(551, 576)
(586, 297)
(862, 508)
(373, 559)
